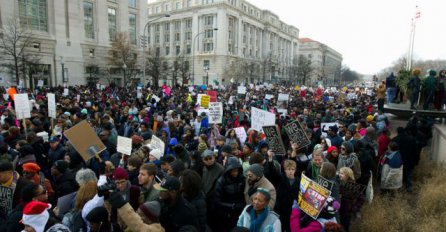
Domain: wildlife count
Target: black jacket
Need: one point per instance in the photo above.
(175, 217)
(199, 203)
(408, 149)
(13, 223)
(65, 184)
(286, 194)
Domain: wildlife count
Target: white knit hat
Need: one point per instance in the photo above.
(156, 153)
(35, 215)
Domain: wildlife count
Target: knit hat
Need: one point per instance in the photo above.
(202, 147)
(31, 167)
(84, 111)
(256, 169)
(35, 215)
(61, 166)
(177, 166)
(136, 139)
(156, 153)
(331, 148)
(370, 118)
(98, 214)
(226, 148)
(151, 209)
(120, 173)
(207, 153)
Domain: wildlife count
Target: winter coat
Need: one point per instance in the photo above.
(57, 154)
(271, 223)
(286, 194)
(367, 164)
(174, 217)
(13, 223)
(262, 183)
(381, 92)
(210, 176)
(408, 149)
(134, 221)
(65, 184)
(199, 203)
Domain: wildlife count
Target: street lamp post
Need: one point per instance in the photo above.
(124, 67)
(206, 69)
(144, 44)
(62, 63)
(193, 54)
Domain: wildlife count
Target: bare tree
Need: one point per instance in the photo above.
(157, 66)
(15, 49)
(180, 69)
(123, 55)
(304, 69)
(348, 75)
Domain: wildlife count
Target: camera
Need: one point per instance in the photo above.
(107, 188)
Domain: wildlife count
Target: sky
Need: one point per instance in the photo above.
(370, 35)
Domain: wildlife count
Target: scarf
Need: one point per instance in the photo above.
(347, 160)
(315, 170)
(257, 221)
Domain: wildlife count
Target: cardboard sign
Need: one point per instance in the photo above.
(312, 197)
(157, 143)
(284, 112)
(297, 134)
(215, 112)
(85, 140)
(325, 183)
(213, 95)
(205, 99)
(283, 97)
(51, 105)
(157, 99)
(241, 90)
(274, 139)
(241, 134)
(260, 118)
(22, 107)
(124, 145)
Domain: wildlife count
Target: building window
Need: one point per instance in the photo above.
(209, 20)
(188, 49)
(188, 36)
(33, 14)
(166, 26)
(88, 20)
(177, 37)
(167, 8)
(157, 28)
(157, 10)
(206, 64)
(208, 46)
(112, 23)
(167, 50)
(188, 24)
(177, 25)
(157, 38)
(166, 37)
(132, 3)
(177, 5)
(177, 50)
(132, 28)
(209, 33)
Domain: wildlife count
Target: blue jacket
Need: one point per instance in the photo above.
(394, 159)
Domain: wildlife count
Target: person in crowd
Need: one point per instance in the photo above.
(64, 182)
(332, 155)
(147, 180)
(408, 148)
(133, 165)
(348, 203)
(37, 219)
(414, 87)
(73, 218)
(31, 171)
(176, 212)
(229, 197)
(56, 151)
(391, 88)
(258, 216)
(381, 95)
(271, 168)
(314, 167)
(302, 222)
(98, 219)
(211, 172)
(129, 192)
(392, 169)
(191, 191)
(335, 139)
(383, 143)
(255, 179)
(430, 85)
(349, 159)
(328, 171)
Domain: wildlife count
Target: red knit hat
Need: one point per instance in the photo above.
(331, 148)
(31, 167)
(120, 173)
(35, 215)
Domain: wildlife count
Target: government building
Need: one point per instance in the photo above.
(196, 41)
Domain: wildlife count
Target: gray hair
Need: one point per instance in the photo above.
(85, 175)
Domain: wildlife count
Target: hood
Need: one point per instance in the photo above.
(232, 163)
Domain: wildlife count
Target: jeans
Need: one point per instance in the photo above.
(391, 94)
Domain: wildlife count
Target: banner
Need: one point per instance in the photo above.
(157, 143)
(297, 134)
(260, 118)
(241, 134)
(22, 107)
(85, 140)
(215, 112)
(213, 95)
(124, 145)
(274, 139)
(205, 99)
(312, 197)
(241, 90)
(51, 105)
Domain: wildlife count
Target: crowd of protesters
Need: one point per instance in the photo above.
(206, 179)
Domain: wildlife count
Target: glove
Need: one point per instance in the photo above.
(116, 200)
(295, 205)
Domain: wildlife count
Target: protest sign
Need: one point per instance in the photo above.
(312, 197)
(203, 110)
(85, 140)
(241, 90)
(7, 196)
(297, 134)
(205, 99)
(64, 203)
(325, 126)
(231, 100)
(78, 98)
(199, 96)
(191, 89)
(22, 107)
(325, 183)
(352, 190)
(283, 97)
(51, 105)
(124, 145)
(65, 92)
(157, 99)
(215, 112)
(39, 83)
(269, 96)
(157, 143)
(260, 118)
(213, 95)
(241, 134)
(274, 139)
(284, 112)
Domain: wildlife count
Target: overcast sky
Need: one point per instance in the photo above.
(369, 34)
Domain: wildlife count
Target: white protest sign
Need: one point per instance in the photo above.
(51, 105)
(283, 97)
(231, 100)
(241, 90)
(203, 110)
(269, 96)
(138, 93)
(251, 86)
(39, 83)
(157, 99)
(199, 98)
(102, 87)
(260, 118)
(241, 134)
(215, 112)
(22, 107)
(191, 89)
(157, 143)
(65, 92)
(284, 112)
(124, 145)
(325, 126)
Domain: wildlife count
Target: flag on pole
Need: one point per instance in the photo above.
(417, 13)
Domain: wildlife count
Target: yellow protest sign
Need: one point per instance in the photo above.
(312, 196)
(205, 99)
(297, 88)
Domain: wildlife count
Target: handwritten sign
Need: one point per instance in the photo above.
(51, 105)
(325, 183)
(312, 196)
(274, 139)
(260, 118)
(241, 134)
(205, 99)
(241, 90)
(297, 134)
(22, 107)
(7, 194)
(65, 92)
(124, 145)
(326, 125)
(157, 143)
(215, 112)
(283, 97)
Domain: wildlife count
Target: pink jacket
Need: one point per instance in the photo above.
(314, 226)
